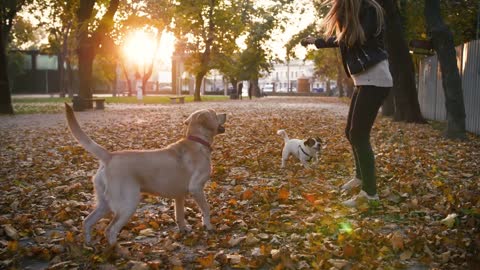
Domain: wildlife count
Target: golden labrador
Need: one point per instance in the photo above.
(179, 169)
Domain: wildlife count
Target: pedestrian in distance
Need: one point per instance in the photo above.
(357, 28)
(239, 92)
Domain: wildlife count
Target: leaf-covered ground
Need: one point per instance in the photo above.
(265, 217)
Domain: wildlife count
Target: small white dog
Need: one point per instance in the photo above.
(304, 150)
(177, 170)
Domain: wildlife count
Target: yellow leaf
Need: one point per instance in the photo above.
(213, 185)
(154, 225)
(206, 261)
(69, 238)
(12, 245)
(247, 194)
(407, 254)
(397, 240)
(232, 202)
(341, 238)
(140, 227)
(283, 194)
(310, 197)
(437, 183)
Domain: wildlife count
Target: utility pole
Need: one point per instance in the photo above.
(288, 74)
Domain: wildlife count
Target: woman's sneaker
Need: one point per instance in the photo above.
(360, 198)
(355, 182)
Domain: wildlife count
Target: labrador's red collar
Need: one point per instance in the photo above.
(200, 141)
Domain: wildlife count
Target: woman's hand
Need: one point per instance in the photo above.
(307, 41)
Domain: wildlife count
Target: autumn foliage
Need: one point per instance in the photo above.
(265, 217)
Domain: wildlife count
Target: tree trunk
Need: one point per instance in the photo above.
(61, 74)
(88, 42)
(198, 86)
(340, 75)
(341, 92)
(69, 82)
(5, 97)
(255, 88)
(388, 107)
(144, 85)
(62, 59)
(442, 40)
(127, 79)
(86, 55)
(405, 95)
(328, 89)
(350, 86)
(250, 89)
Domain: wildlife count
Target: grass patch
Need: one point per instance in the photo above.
(40, 100)
(55, 104)
(159, 99)
(120, 100)
(40, 107)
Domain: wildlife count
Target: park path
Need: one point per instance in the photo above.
(123, 112)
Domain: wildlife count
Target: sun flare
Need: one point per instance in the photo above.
(140, 46)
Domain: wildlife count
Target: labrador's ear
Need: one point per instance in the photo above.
(310, 142)
(222, 118)
(189, 119)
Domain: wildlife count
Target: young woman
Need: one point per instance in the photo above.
(357, 27)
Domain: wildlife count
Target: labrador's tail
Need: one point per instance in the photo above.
(87, 143)
(283, 134)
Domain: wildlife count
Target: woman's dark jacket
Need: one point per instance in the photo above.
(360, 57)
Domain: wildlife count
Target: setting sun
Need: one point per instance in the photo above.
(140, 46)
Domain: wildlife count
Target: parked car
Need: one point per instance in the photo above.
(267, 88)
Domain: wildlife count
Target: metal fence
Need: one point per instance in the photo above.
(430, 90)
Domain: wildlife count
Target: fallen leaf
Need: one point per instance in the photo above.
(247, 194)
(236, 240)
(338, 263)
(449, 221)
(396, 239)
(207, 261)
(283, 194)
(11, 231)
(407, 254)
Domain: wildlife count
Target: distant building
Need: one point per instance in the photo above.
(34, 73)
(284, 77)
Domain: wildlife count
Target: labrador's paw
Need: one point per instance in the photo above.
(184, 229)
(209, 227)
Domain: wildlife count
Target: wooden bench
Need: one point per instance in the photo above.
(99, 103)
(177, 99)
(80, 104)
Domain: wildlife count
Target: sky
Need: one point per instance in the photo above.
(295, 24)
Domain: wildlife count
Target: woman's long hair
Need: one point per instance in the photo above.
(343, 20)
